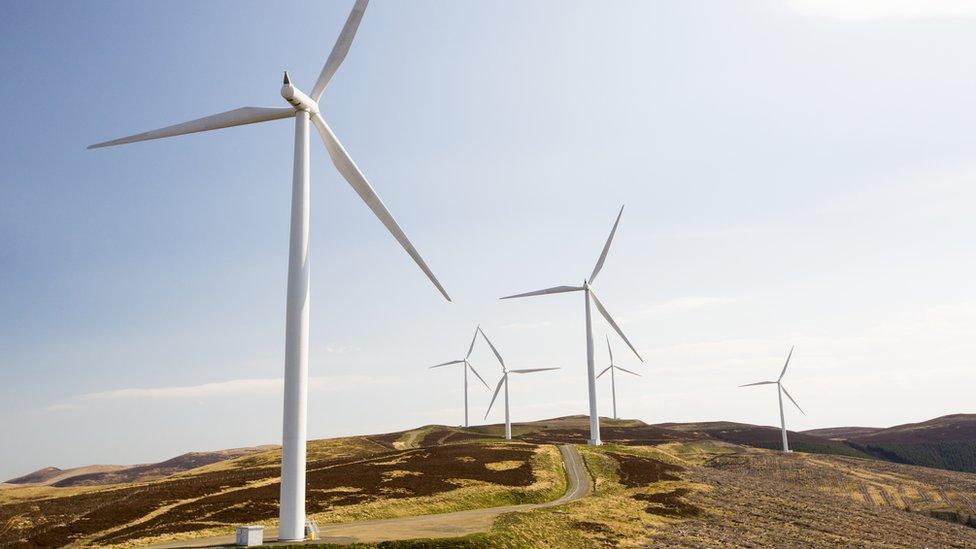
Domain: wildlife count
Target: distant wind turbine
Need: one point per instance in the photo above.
(613, 383)
(780, 390)
(303, 108)
(504, 381)
(588, 292)
(466, 367)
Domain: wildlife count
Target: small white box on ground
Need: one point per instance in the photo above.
(248, 536)
(311, 529)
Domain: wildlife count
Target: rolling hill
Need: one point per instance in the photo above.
(91, 475)
(681, 485)
(947, 442)
(842, 433)
(763, 437)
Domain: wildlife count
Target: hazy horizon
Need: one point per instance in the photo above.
(796, 173)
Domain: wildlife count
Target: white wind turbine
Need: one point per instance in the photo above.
(613, 382)
(466, 367)
(504, 380)
(303, 108)
(780, 390)
(589, 294)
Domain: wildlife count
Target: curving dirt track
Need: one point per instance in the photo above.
(443, 525)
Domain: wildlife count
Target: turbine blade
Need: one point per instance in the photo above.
(759, 383)
(340, 49)
(628, 371)
(530, 370)
(471, 347)
(493, 349)
(606, 315)
(497, 388)
(605, 370)
(609, 349)
(606, 248)
(791, 400)
(555, 290)
(446, 364)
(236, 117)
(475, 372)
(358, 181)
(783, 373)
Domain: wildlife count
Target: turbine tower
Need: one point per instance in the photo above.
(303, 108)
(504, 380)
(780, 390)
(465, 368)
(589, 295)
(613, 383)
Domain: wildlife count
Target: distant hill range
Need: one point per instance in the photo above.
(763, 437)
(92, 475)
(947, 442)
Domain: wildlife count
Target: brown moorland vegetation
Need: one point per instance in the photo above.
(348, 473)
(770, 499)
(653, 485)
(708, 494)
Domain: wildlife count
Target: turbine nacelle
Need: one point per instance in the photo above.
(297, 98)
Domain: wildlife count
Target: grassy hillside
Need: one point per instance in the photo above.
(351, 478)
(704, 485)
(711, 494)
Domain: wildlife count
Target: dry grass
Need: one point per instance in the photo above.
(728, 496)
(349, 479)
(678, 494)
(611, 517)
(769, 499)
(502, 465)
(549, 483)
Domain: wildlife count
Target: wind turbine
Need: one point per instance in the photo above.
(780, 390)
(303, 108)
(613, 383)
(504, 380)
(589, 294)
(466, 367)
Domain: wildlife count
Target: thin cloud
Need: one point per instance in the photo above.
(864, 10)
(233, 387)
(222, 388)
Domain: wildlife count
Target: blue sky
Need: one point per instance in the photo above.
(794, 173)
